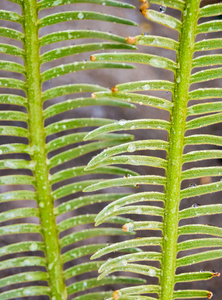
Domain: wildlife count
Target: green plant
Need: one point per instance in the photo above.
(187, 72)
(49, 142)
(42, 141)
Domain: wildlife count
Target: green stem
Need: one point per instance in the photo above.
(176, 145)
(39, 156)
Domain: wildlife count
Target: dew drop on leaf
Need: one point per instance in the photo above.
(122, 122)
(152, 273)
(146, 87)
(162, 9)
(131, 148)
(33, 247)
(124, 262)
(80, 15)
(128, 227)
(192, 185)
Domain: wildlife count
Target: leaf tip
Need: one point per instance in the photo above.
(98, 222)
(215, 274)
(131, 40)
(92, 58)
(93, 95)
(86, 190)
(114, 89)
(116, 295)
(144, 7)
(128, 227)
(93, 257)
(85, 139)
(101, 276)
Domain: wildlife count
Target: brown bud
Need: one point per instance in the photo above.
(116, 295)
(131, 40)
(92, 58)
(144, 6)
(215, 274)
(210, 295)
(124, 228)
(143, 12)
(114, 89)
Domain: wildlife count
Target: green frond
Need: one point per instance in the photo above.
(79, 34)
(144, 85)
(165, 20)
(39, 148)
(81, 15)
(141, 58)
(91, 283)
(149, 40)
(210, 10)
(12, 83)
(181, 133)
(205, 93)
(181, 294)
(207, 60)
(210, 26)
(194, 276)
(44, 164)
(10, 16)
(137, 99)
(12, 34)
(176, 4)
(47, 3)
(79, 66)
(81, 102)
(25, 292)
(11, 50)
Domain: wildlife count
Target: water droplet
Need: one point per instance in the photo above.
(41, 204)
(68, 206)
(131, 148)
(152, 272)
(146, 87)
(127, 175)
(128, 227)
(195, 205)
(27, 292)
(124, 262)
(80, 15)
(122, 122)
(162, 9)
(192, 185)
(33, 247)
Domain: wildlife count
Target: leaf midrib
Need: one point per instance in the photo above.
(39, 156)
(176, 145)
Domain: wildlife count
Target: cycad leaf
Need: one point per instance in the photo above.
(40, 181)
(186, 120)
